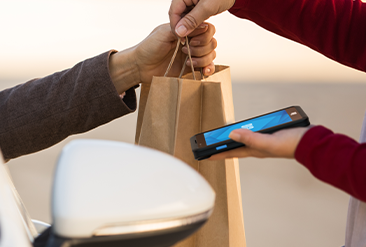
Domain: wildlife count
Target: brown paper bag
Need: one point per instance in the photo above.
(172, 110)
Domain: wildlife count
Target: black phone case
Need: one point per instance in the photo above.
(207, 152)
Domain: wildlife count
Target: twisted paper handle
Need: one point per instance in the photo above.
(184, 65)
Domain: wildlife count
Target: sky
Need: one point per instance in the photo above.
(39, 37)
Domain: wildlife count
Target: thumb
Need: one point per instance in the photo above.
(249, 138)
(192, 20)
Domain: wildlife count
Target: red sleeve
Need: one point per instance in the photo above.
(335, 159)
(335, 28)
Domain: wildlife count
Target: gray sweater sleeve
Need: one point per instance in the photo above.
(42, 112)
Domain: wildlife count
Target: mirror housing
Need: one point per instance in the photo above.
(16, 228)
(106, 191)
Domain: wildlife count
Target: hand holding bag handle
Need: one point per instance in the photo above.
(146, 88)
(189, 56)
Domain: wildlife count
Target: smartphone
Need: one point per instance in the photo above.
(217, 140)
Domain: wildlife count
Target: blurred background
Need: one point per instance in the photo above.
(283, 204)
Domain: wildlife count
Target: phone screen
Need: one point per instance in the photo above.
(254, 124)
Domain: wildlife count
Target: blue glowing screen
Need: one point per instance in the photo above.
(255, 124)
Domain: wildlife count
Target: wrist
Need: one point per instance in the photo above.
(123, 70)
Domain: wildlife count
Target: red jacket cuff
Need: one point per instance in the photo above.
(304, 148)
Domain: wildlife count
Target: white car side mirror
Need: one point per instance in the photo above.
(14, 228)
(110, 192)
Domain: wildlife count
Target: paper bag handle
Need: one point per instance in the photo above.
(189, 56)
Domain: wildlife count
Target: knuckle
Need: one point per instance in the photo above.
(206, 6)
(213, 29)
(247, 140)
(190, 21)
(212, 67)
(213, 54)
(193, 51)
(206, 61)
(214, 43)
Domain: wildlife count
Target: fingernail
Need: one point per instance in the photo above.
(194, 43)
(234, 136)
(181, 31)
(203, 25)
(185, 49)
(208, 71)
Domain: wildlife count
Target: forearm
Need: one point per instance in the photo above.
(42, 112)
(334, 28)
(335, 159)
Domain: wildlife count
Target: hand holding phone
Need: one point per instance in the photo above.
(216, 141)
(280, 144)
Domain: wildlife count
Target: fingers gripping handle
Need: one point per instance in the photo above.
(184, 65)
